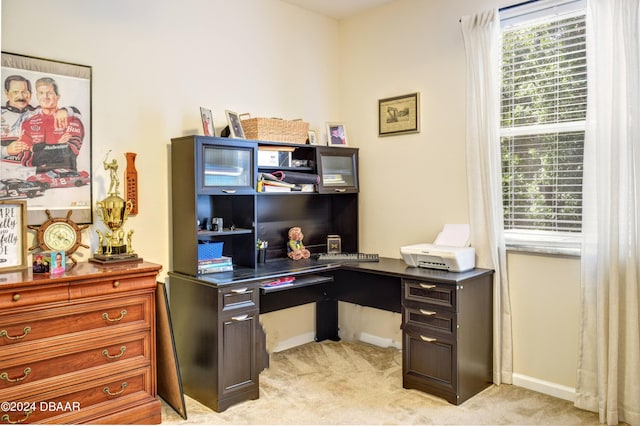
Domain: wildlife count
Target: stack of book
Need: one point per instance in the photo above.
(211, 266)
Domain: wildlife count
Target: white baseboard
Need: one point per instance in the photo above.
(383, 342)
(542, 386)
(298, 340)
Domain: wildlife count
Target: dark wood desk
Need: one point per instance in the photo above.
(446, 321)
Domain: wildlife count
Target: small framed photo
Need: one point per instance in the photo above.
(235, 126)
(311, 136)
(399, 115)
(207, 121)
(336, 134)
(13, 225)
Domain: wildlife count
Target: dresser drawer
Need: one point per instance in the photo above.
(430, 292)
(58, 322)
(429, 319)
(110, 286)
(73, 358)
(237, 297)
(70, 404)
(19, 298)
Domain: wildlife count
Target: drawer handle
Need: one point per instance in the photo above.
(105, 316)
(5, 376)
(229, 191)
(16, 297)
(340, 190)
(239, 290)
(116, 284)
(106, 354)
(6, 418)
(240, 317)
(427, 286)
(107, 391)
(26, 330)
(429, 313)
(428, 339)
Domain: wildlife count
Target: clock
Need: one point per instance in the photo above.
(59, 234)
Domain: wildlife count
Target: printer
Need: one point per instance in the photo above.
(449, 252)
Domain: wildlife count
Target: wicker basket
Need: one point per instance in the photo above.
(274, 129)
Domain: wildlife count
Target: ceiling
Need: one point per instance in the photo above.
(338, 9)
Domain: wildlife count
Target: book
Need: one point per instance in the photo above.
(269, 188)
(224, 260)
(214, 269)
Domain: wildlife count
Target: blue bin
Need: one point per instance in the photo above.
(210, 250)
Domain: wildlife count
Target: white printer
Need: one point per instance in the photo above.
(450, 251)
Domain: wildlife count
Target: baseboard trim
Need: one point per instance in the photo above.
(542, 386)
(378, 341)
(298, 340)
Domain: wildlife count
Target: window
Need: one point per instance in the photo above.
(543, 112)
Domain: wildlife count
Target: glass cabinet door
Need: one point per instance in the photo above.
(338, 170)
(227, 168)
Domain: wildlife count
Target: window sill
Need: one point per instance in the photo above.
(560, 244)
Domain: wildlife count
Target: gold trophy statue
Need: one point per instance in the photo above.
(114, 211)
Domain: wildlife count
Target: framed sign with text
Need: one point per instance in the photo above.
(13, 243)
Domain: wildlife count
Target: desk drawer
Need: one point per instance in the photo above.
(237, 297)
(33, 296)
(430, 319)
(430, 292)
(60, 321)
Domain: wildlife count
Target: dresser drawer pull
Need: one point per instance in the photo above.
(240, 290)
(107, 391)
(106, 354)
(26, 330)
(240, 317)
(427, 286)
(16, 297)
(5, 376)
(116, 284)
(428, 313)
(428, 339)
(6, 418)
(105, 316)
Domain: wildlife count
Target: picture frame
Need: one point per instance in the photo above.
(337, 134)
(235, 126)
(207, 122)
(399, 115)
(26, 157)
(13, 250)
(311, 136)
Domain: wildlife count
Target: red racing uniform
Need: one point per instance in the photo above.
(43, 137)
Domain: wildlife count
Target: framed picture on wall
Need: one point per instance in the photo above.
(235, 126)
(46, 136)
(336, 134)
(399, 115)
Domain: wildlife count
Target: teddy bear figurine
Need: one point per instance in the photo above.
(295, 248)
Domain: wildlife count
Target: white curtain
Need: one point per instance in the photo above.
(608, 379)
(482, 38)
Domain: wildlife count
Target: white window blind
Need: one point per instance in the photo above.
(543, 111)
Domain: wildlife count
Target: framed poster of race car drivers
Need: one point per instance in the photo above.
(46, 137)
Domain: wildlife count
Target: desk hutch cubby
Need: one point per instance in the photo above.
(447, 317)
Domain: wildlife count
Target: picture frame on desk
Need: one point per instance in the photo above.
(399, 115)
(235, 126)
(207, 121)
(337, 134)
(68, 86)
(13, 251)
(312, 138)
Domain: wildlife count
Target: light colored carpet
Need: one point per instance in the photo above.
(333, 383)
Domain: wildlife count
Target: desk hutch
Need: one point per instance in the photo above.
(446, 317)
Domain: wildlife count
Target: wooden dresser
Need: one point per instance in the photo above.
(79, 348)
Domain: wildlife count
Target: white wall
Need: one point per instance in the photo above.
(155, 63)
